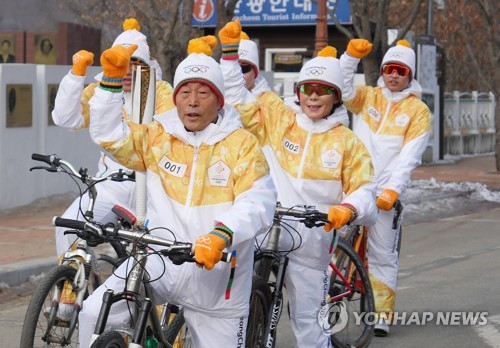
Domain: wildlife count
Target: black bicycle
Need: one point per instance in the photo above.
(271, 264)
(146, 324)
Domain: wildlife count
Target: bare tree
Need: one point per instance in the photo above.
(371, 19)
(477, 25)
(167, 24)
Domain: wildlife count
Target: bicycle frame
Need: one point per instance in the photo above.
(267, 257)
(144, 304)
(137, 277)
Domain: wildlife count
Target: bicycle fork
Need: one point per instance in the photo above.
(276, 304)
(132, 294)
(79, 286)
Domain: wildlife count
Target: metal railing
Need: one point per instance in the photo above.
(469, 123)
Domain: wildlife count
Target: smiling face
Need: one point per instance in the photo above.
(197, 105)
(317, 101)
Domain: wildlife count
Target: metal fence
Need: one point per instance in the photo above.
(469, 123)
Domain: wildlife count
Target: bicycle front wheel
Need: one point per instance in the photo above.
(178, 334)
(43, 325)
(109, 339)
(260, 301)
(350, 288)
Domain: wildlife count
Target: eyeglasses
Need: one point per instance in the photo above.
(320, 90)
(245, 68)
(401, 70)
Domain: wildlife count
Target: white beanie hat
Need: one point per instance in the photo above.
(133, 36)
(198, 67)
(323, 71)
(401, 53)
(249, 54)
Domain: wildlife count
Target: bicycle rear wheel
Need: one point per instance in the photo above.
(42, 327)
(260, 301)
(350, 288)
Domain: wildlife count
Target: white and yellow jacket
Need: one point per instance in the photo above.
(394, 126)
(318, 163)
(72, 110)
(195, 179)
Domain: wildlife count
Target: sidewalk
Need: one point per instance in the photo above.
(473, 169)
(27, 243)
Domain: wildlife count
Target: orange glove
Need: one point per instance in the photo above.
(81, 60)
(199, 45)
(208, 250)
(229, 37)
(244, 36)
(359, 48)
(230, 34)
(387, 199)
(115, 61)
(338, 215)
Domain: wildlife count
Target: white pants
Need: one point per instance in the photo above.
(306, 288)
(383, 261)
(207, 331)
(109, 194)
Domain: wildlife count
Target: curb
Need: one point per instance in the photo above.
(435, 197)
(18, 273)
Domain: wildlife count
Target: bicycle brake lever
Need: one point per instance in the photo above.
(49, 169)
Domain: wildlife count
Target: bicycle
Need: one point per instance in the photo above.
(266, 302)
(78, 273)
(147, 324)
(359, 334)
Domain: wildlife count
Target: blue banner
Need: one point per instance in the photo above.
(271, 12)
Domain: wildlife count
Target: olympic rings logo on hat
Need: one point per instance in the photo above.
(196, 69)
(396, 55)
(315, 71)
(243, 53)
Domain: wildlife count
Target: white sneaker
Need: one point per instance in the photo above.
(382, 327)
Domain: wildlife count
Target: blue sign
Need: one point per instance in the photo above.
(271, 12)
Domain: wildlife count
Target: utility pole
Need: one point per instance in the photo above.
(321, 39)
(430, 30)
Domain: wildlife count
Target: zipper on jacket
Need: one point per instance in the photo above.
(191, 178)
(303, 159)
(385, 116)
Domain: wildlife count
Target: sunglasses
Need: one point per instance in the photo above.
(401, 70)
(319, 90)
(245, 68)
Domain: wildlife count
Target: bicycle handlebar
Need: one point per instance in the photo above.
(309, 215)
(49, 159)
(57, 163)
(110, 230)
